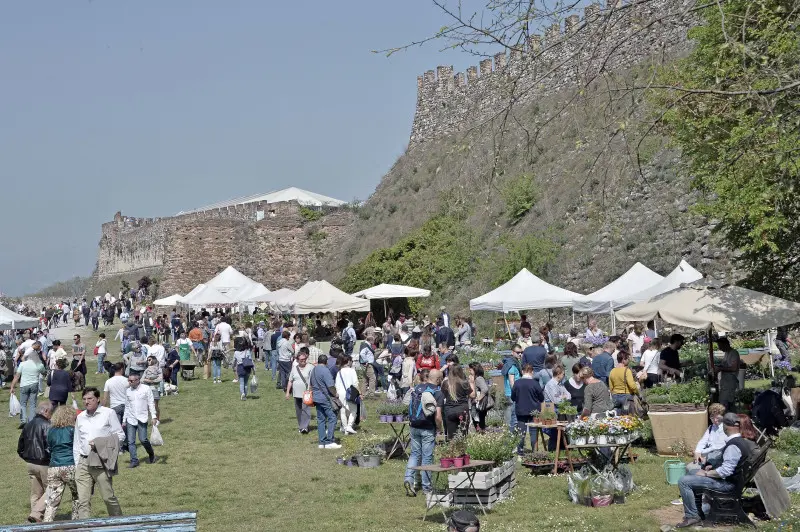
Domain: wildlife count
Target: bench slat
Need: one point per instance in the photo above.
(168, 522)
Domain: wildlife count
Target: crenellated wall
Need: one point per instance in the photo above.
(605, 38)
(272, 243)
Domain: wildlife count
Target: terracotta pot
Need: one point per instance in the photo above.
(446, 462)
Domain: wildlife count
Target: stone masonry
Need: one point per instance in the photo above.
(618, 35)
(272, 243)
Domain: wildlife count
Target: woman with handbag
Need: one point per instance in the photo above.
(347, 388)
(621, 382)
(243, 359)
(483, 401)
(298, 384)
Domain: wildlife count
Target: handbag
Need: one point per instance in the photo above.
(336, 403)
(636, 406)
(96, 350)
(352, 393)
(486, 403)
(308, 396)
(247, 363)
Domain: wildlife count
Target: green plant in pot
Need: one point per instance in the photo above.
(370, 449)
(548, 417)
(495, 447)
(569, 411)
(537, 416)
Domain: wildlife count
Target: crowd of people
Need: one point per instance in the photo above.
(414, 361)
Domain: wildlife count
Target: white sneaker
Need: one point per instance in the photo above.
(349, 430)
(333, 446)
(320, 446)
(235, 380)
(244, 397)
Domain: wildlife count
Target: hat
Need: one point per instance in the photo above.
(731, 419)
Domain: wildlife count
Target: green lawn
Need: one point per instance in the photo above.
(243, 466)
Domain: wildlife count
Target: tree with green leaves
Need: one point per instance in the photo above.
(733, 107)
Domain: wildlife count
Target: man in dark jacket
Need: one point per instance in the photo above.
(32, 447)
(528, 396)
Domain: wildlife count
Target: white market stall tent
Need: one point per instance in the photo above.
(319, 296)
(391, 291)
(639, 277)
(524, 291)
(706, 303)
(232, 282)
(682, 274)
(251, 293)
(169, 301)
(204, 296)
(271, 297)
(10, 320)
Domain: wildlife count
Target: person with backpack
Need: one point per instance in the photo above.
(425, 416)
(348, 338)
(243, 360)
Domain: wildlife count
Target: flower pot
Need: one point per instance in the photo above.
(579, 440)
(562, 417)
(622, 439)
(349, 463)
(601, 439)
(619, 499)
(571, 417)
(466, 459)
(368, 461)
(399, 419)
(611, 439)
(585, 501)
(601, 500)
(384, 418)
(591, 439)
(446, 462)
(458, 461)
(340, 461)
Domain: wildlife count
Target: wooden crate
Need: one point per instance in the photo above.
(484, 479)
(487, 497)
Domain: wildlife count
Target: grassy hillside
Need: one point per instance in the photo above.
(574, 175)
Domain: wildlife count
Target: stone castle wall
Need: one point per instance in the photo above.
(606, 38)
(272, 243)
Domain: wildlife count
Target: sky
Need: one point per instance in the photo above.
(153, 107)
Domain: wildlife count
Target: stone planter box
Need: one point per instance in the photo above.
(673, 423)
(484, 480)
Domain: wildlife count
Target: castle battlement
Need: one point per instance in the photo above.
(604, 38)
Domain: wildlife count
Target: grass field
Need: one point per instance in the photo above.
(243, 466)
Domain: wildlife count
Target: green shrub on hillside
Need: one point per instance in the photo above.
(310, 215)
(514, 253)
(520, 195)
(436, 255)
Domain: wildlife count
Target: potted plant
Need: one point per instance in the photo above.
(370, 451)
(548, 417)
(578, 432)
(538, 462)
(569, 411)
(536, 416)
(600, 433)
(585, 491)
(385, 412)
(619, 497)
(560, 416)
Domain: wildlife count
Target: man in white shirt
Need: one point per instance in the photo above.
(114, 393)
(223, 329)
(138, 400)
(94, 422)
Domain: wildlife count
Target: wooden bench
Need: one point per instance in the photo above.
(727, 507)
(167, 522)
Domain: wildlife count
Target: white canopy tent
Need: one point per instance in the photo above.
(271, 296)
(706, 304)
(232, 282)
(319, 296)
(169, 301)
(636, 279)
(390, 291)
(682, 274)
(251, 293)
(10, 320)
(524, 291)
(204, 296)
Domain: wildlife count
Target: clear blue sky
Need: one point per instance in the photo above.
(151, 107)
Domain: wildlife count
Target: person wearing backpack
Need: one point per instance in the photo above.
(243, 360)
(348, 338)
(425, 416)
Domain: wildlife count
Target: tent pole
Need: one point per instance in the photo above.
(573, 318)
(711, 380)
(508, 329)
(385, 310)
(613, 319)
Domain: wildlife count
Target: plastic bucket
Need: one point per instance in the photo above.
(674, 470)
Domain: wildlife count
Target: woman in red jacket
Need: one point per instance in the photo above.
(427, 359)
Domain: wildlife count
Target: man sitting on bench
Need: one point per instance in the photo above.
(726, 478)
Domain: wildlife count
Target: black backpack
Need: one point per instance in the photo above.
(416, 414)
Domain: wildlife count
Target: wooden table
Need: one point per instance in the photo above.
(560, 436)
(400, 440)
(470, 481)
(619, 452)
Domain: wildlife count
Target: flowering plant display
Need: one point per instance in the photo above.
(614, 426)
(579, 427)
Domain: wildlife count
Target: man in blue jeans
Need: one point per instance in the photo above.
(323, 388)
(726, 478)
(272, 360)
(426, 415)
(511, 373)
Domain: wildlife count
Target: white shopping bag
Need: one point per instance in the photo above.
(155, 436)
(14, 408)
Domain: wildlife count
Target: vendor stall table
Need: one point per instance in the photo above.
(560, 437)
(470, 471)
(612, 458)
(401, 440)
